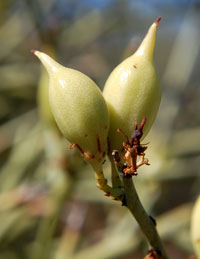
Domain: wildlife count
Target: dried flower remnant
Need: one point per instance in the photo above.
(153, 254)
(132, 149)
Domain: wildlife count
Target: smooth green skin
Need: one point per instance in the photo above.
(132, 92)
(79, 109)
(195, 227)
(77, 105)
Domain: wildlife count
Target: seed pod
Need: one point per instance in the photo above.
(195, 227)
(78, 107)
(132, 91)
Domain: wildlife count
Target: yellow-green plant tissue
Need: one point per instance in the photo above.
(132, 91)
(78, 107)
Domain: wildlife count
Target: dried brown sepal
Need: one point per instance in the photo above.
(153, 254)
(133, 149)
(108, 194)
(84, 154)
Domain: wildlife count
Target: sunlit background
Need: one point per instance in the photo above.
(49, 204)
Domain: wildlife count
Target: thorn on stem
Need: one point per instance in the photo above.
(124, 203)
(103, 162)
(153, 220)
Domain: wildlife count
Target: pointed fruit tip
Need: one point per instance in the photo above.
(158, 20)
(33, 51)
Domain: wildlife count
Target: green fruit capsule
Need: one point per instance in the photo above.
(195, 227)
(78, 107)
(132, 91)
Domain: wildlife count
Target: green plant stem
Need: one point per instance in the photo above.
(117, 193)
(116, 182)
(145, 222)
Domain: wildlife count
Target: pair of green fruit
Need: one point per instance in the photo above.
(88, 118)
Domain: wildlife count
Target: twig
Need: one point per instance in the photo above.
(117, 193)
(116, 182)
(145, 222)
